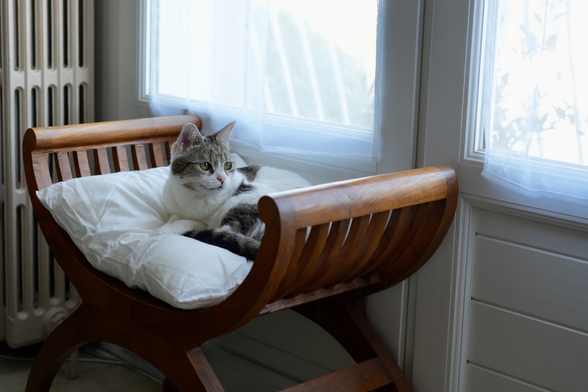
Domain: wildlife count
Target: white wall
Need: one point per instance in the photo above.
(117, 27)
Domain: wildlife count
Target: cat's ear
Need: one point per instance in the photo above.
(189, 135)
(222, 136)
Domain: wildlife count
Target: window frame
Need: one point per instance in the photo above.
(474, 152)
(471, 160)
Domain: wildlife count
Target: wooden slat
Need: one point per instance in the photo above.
(398, 229)
(62, 166)
(41, 170)
(101, 160)
(362, 377)
(385, 242)
(156, 152)
(349, 252)
(308, 261)
(370, 243)
(81, 164)
(319, 294)
(121, 162)
(417, 243)
(330, 254)
(204, 371)
(167, 146)
(285, 285)
(139, 157)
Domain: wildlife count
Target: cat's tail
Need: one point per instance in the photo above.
(233, 242)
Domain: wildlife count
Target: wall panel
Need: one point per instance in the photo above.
(527, 328)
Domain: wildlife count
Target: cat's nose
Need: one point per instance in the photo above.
(221, 179)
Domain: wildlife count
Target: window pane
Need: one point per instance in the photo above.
(322, 59)
(313, 60)
(535, 80)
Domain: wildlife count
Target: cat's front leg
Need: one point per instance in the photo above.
(177, 225)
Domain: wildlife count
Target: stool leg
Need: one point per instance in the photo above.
(83, 326)
(168, 386)
(186, 370)
(347, 324)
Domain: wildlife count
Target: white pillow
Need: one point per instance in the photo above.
(112, 219)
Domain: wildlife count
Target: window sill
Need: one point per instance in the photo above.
(315, 171)
(482, 191)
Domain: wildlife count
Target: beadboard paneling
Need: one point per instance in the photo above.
(536, 234)
(527, 349)
(482, 380)
(527, 327)
(535, 282)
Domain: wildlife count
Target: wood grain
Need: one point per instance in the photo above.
(62, 166)
(156, 152)
(81, 164)
(139, 157)
(365, 376)
(101, 159)
(120, 158)
(367, 235)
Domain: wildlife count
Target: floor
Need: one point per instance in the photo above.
(94, 373)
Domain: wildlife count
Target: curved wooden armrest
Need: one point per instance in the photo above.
(367, 233)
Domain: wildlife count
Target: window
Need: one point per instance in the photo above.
(535, 96)
(299, 76)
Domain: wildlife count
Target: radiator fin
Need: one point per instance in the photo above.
(46, 78)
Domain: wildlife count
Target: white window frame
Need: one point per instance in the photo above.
(471, 161)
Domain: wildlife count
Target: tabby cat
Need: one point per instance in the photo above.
(211, 200)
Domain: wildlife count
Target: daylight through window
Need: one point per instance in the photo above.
(287, 71)
(535, 80)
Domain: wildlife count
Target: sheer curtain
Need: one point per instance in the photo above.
(535, 98)
(299, 77)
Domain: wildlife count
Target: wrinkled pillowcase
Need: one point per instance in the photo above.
(112, 219)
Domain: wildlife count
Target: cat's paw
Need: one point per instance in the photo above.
(180, 226)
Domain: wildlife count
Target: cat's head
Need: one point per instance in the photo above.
(203, 163)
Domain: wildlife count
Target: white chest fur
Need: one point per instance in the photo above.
(212, 207)
(188, 204)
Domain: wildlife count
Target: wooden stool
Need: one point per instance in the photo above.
(366, 235)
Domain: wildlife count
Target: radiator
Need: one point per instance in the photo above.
(46, 78)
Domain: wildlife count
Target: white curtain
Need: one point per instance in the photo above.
(298, 76)
(535, 98)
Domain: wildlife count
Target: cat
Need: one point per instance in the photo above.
(211, 200)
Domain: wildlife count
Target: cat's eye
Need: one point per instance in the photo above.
(205, 166)
(228, 165)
